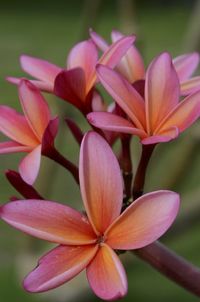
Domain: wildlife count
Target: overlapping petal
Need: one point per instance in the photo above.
(49, 221)
(70, 85)
(161, 90)
(30, 165)
(106, 275)
(100, 181)
(12, 147)
(43, 86)
(113, 55)
(50, 134)
(15, 126)
(190, 86)
(144, 221)
(35, 108)
(185, 65)
(116, 51)
(40, 69)
(112, 122)
(131, 65)
(124, 94)
(163, 136)
(59, 266)
(184, 114)
(85, 56)
(99, 41)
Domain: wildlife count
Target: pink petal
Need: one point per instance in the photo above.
(49, 221)
(131, 65)
(162, 137)
(106, 275)
(124, 94)
(15, 126)
(185, 65)
(59, 266)
(116, 51)
(35, 108)
(184, 114)
(113, 122)
(144, 221)
(84, 55)
(30, 165)
(100, 181)
(50, 134)
(39, 69)
(70, 85)
(99, 41)
(161, 90)
(12, 147)
(98, 102)
(43, 86)
(113, 55)
(190, 86)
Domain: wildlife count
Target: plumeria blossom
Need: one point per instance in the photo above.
(29, 132)
(159, 117)
(89, 241)
(132, 65)
(74, 83)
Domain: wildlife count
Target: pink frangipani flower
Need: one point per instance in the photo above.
(74, 83)
(89, 241)
(132, 68)
(131, 65)
(159, 117)
(29, 132)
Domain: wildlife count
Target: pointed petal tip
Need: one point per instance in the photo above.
(27, 287)
(162, 57)
(12, 80)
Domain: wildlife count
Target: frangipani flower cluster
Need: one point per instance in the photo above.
(147, 103)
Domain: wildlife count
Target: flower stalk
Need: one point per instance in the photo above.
(26, 190)
(139, 181)
(56, 156)
(172, 266)
(126, 165)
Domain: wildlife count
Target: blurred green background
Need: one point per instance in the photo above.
(48, 29)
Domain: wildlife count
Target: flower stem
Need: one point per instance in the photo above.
(172, 266)
(126, 165)
(53, 154)
(138, 185)
(21, 186)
